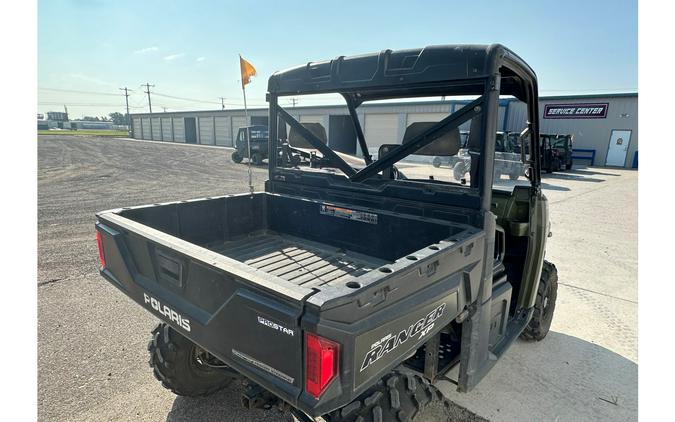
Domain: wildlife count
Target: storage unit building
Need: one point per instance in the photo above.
(604, 126)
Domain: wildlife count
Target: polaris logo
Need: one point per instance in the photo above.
(420, 328)
(164, 310)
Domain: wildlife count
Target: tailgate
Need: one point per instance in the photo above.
(248, 319)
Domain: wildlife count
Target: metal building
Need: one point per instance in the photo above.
(596, 122)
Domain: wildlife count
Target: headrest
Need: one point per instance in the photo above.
(446, 144)
(298, 141)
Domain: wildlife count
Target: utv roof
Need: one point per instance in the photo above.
(398, 73)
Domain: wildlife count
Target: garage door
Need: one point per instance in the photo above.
(238, 122)
(425, 117)
(156, 129)
(146, 128)
(381, 129)
(223, 131)
(137, 131)
(167, 132)
(206, 130)
(179, 129)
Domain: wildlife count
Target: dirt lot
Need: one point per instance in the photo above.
(91, 339)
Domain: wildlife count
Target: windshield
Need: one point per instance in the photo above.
(559, 143)
(341, 145)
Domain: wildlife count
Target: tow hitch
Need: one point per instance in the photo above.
(256, 397)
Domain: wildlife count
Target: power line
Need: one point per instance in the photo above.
(76, 91)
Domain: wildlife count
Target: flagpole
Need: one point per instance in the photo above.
(248, 136)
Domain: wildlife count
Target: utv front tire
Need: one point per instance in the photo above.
(175, 363)
(544, 305)
(236, 157)
(396, 397)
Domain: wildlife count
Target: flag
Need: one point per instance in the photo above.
(247, 70)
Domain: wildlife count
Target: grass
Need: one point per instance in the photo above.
(86, 132)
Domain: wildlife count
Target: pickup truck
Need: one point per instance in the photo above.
(345, 290)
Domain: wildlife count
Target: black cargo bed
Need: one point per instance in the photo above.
(298, 260)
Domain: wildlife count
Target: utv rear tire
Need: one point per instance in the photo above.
(256, 159)
(396, 397)
(544, 305)
(236, 157)
(174, 364)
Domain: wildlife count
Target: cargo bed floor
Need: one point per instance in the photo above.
(300, 261)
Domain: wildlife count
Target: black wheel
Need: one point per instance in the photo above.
(396, 397)
(544, 306)
(458, 171)
(568, 166)
(555, 165)
(256, 159)
(236, 157)
(182, 366)
(437, 162)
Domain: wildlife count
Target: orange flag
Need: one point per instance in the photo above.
(247, 70)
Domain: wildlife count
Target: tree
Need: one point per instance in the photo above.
(90, 119)
(118, 118)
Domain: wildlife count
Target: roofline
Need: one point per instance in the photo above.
(503, 101)
(584, 96)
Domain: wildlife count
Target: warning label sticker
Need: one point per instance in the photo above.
(348, 214)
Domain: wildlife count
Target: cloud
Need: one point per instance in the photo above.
(201, 59)
(146, 50)
(174, 56)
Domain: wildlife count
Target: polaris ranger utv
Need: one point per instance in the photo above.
(556, 152)
(344, 291)
(259, 140)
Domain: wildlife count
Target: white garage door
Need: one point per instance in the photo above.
(137, 130)
(156, 129)
(167, 132)
(425, 117)
(146, 129)
(223, 131)
(206, 130)
(179, 129)
(238, 122)
(381, 129)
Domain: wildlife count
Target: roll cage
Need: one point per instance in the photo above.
(449, 70)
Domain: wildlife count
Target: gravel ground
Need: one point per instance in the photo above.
(92, 359)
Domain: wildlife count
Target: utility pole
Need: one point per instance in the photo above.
(294, 101)
(222, 103)
(147, 91)
(126, 97)
(164, 108)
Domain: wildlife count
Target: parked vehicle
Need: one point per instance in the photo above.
(439, 161)
(556, 152)
(321, 289)
(508, 160)
(259, 136)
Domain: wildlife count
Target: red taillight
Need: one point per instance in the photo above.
(99, 242)
(321, 358)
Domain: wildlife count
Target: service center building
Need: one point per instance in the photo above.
(605, 127)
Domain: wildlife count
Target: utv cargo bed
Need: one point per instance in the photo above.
(297, 260)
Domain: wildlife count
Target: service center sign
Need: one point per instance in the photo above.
(576, 111)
